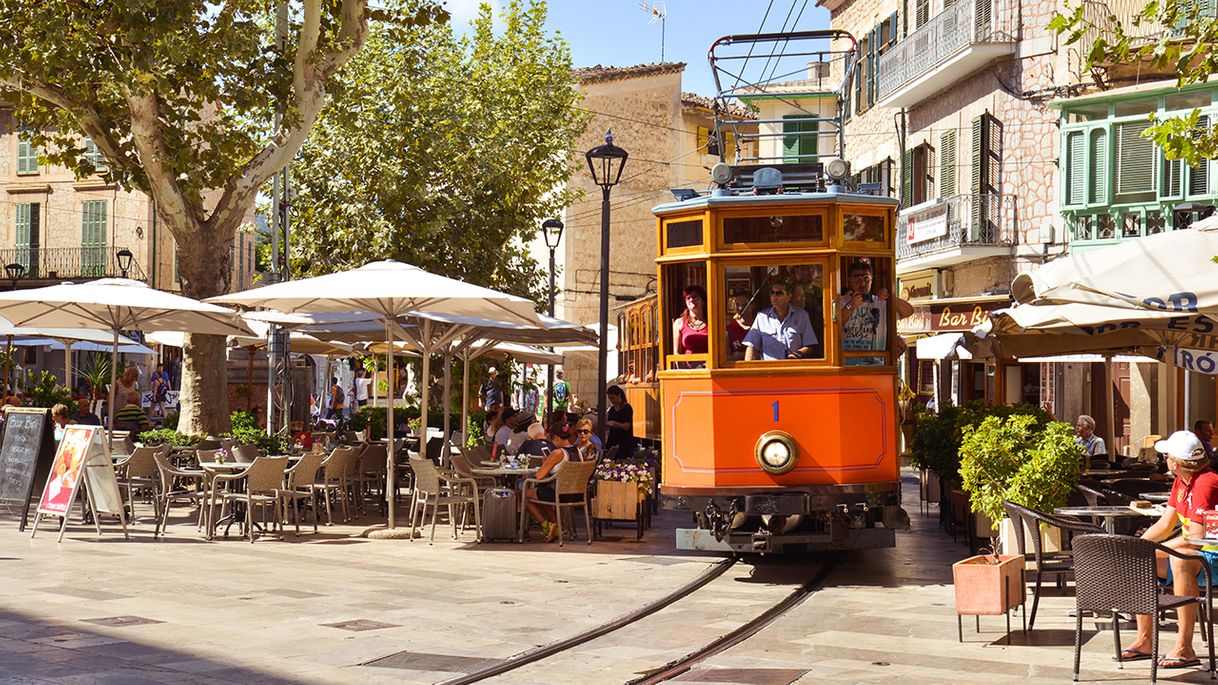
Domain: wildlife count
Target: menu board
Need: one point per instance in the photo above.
(25, 454)
(81, 460)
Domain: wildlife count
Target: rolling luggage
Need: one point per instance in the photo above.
(499, 514)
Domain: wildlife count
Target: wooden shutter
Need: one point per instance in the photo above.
(983, 19)
(872, 38)
(93, 238)
(27, 157)
(987, 178)
(1171, 181)
(893, 27)
(907, 179)
(977, 181)
(1135, 162)
(1076, 168)
(1199, 176)
(703, 135)
(1099, 167)
(95, 156)
(799, 139)
(947, 164)
(923, 12)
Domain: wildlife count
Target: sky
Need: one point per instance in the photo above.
(617, 32)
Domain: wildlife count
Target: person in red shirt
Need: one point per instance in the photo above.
(1195, 489)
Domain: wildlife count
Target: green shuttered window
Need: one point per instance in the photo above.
(93, 238)
(947, 164)
(27, 157)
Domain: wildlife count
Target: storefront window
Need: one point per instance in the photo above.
(774, 312)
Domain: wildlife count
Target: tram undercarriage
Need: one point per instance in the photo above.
(811, 518)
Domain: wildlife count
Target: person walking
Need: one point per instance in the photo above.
(560, 394)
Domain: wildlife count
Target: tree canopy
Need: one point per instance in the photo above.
(444, 150)
(1171, 35)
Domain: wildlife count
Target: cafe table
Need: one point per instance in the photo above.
(1155, 497)
(503, 474)
(1109, 514)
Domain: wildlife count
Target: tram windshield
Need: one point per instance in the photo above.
(863, 310)
(774, 312)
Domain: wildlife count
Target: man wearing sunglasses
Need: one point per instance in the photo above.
(781, 332)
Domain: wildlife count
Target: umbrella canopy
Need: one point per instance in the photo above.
(1169, 271)
(389, 289)
(116, 304)
(301, 342)
(125, 346)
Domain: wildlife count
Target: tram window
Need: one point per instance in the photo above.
(685, 298)
(806, 228)
(683, 233)
(867, 228)
(774, 312)
(863, 309)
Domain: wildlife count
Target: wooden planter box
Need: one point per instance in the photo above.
(987, 589)
(616, 501)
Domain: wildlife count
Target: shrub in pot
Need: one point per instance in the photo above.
(1018, 458)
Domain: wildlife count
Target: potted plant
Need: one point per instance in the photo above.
(1022, 459)
(96, 373)
(620, 487)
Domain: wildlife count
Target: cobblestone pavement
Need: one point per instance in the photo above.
(335, 607)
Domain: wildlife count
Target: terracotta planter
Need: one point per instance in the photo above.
(988, 589)
(616, 500)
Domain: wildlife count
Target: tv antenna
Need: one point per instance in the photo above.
(658, 13)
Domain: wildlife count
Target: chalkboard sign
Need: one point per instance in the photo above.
(26, 452)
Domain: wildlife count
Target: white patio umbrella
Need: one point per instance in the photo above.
(390, 289)
(1171, 271)
(66, 337)
(116, 304)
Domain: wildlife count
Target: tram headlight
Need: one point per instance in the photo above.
(776, 452)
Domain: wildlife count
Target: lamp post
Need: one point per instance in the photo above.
(14, 271)
(606, 163)
(124, 260)
(551, 232)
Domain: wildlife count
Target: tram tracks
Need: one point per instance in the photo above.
(678, 666)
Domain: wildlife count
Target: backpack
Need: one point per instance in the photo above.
(338, 395)
(560, 391)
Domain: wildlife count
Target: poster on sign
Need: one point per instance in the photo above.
(82, 462)
(928, 226)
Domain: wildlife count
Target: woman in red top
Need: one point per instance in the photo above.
(689, 329)
(1195, 489)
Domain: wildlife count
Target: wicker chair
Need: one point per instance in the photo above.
(139, 471)
(178, 484)
(1117, 574)
(436, 487)
(299, 483)
(570, 491)
(1134, 487)
(334, 480)
(370, 473)
(263, 484)
(1024, 519)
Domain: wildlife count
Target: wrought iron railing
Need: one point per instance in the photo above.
(964, 23)
(955, 222)
(67, 263)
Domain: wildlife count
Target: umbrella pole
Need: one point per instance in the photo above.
(67, 364)
(1109, 407)
(448, 401)
(426, 394)
(113, 386)
(465, 397)
(391, 482)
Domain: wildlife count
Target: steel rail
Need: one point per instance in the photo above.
(675, 668)
(539, 653)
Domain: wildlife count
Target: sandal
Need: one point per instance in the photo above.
(1178, 662)
(1132, 655)
(553, 534)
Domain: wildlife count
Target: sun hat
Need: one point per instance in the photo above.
(1182, 445)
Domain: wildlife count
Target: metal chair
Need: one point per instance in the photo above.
(178, 484)
(1024, 519)
(263, 483)
(1117, 574)
(299, 482)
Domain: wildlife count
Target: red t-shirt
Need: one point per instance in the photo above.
(1201, 493)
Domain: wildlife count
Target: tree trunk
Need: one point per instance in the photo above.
(204, 268)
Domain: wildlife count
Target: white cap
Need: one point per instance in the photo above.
(1182, 445)
(537, 431)
(491, 369)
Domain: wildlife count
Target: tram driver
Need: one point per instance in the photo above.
(783, 331)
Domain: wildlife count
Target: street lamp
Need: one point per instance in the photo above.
(606, 163)
(124, 260)
(15, 271)
(551, 232)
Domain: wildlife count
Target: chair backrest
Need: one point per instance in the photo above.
(226, 444)
(1099, 464)
(352, 437)
(245, 454)
(353, 459)
(141, 463)
(206, 455)
(426, 475)
(1094, 497)
(121, 442)
(335, 465)
(434, 447)
(1115, 573)
(1134, 487)
(266, 474)
(477, 455)
(462, 466)
(304, 473)
(374, 459)
(1149, 441)
(573, 478)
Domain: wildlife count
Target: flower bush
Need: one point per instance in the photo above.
(625, 472)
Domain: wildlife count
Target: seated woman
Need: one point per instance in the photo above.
(689, 329)
(586, 446)
(560, 437)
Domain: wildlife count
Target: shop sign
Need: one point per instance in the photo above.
(920, 286)
(929, 226)
(918, 322)
(962, 316)
(1197, 361)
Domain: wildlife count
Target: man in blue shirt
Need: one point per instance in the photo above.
(782, 331)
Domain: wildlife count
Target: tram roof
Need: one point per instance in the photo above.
(729, 199)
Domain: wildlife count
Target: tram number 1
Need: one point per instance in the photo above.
(775, 406)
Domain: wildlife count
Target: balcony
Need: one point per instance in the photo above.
(954, 230)
(1101, 18)
(958, 41)
(56, 264)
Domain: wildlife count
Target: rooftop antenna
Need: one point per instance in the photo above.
(659, 14)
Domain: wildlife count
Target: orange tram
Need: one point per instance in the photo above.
(778, 430)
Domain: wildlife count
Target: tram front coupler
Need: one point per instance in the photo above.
(720, 522)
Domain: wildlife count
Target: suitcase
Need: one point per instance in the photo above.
(499, 514)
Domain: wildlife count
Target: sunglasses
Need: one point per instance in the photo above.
(778, 292)
(584, 431)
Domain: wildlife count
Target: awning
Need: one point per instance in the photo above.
(943, 346)
(1089, 359)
